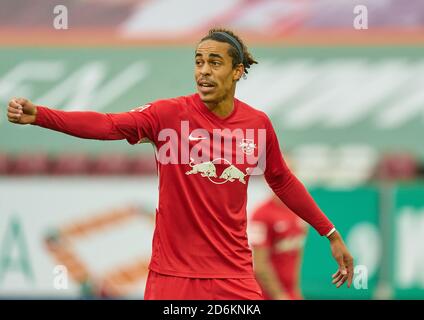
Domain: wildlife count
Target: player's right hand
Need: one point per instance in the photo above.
(21, 111)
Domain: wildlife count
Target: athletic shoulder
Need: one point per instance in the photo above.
(164, 108)
(254, 112)
(176, 102)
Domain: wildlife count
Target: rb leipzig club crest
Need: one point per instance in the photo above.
(248, 146)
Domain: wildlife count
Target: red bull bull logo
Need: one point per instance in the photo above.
(208, 170)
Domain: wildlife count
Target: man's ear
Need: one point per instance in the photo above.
(238, 72)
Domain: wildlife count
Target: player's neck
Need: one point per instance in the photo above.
(222, 108)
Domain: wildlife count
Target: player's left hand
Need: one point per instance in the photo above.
(344, 260)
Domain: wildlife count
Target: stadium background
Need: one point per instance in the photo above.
(347, 105)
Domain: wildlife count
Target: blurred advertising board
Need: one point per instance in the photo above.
(100, 230)
(355, 213)
(66, 238)
(408, 241)
(326, 96)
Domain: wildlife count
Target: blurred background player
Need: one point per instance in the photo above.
(277, 238)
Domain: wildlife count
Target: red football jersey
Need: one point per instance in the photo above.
(204, 164)
(277, 228)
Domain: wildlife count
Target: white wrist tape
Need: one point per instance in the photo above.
(331, 232)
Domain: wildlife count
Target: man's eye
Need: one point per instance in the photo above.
(198, 63)
(216, 63)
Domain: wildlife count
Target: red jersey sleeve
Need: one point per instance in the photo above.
(288, 188)
(135, 126)
(147, 122)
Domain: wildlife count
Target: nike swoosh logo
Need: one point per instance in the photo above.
(191, 138)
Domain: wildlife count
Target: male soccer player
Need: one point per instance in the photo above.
(207, 145)
(277, 237)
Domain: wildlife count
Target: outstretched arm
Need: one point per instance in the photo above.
(82, 124)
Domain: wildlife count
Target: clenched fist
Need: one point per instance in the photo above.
(21, 111)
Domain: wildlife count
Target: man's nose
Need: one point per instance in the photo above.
(205, 69)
